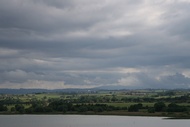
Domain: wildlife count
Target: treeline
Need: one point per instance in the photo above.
(60, 106)
(181, 99)
(63, 106)
(92, 103)
(101, 99)
(159, 107)
(115, 98)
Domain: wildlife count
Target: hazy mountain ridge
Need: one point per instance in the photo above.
(72, 90)
(30, 91)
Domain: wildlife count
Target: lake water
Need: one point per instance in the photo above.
(88, 121)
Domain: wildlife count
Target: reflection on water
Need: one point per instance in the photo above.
(87, 121)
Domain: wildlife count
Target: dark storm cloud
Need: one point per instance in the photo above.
(69, 43)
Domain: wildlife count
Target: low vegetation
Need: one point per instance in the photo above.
(170, 103)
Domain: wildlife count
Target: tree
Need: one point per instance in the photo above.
(13, 109)
(114, 99)
(151, 110)
(19, 108)
(135, 107)
(176, 108)
(3, 108)
(159, 106)
(62, 108)
(82, 108)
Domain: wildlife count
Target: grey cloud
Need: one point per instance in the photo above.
(49, 41)
(17, 76)
(144, 80)
(177, 80)
(177, 18)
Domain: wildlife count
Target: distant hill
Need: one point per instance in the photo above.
(115, 87)
(30, 91)
(71, 90)
(22, 91)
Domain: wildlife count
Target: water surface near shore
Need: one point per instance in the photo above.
(88, 121)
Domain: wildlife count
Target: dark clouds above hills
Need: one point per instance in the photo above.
(72, 43)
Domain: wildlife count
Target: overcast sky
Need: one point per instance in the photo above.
(90, 43)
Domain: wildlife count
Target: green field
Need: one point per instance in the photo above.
(100, 102)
